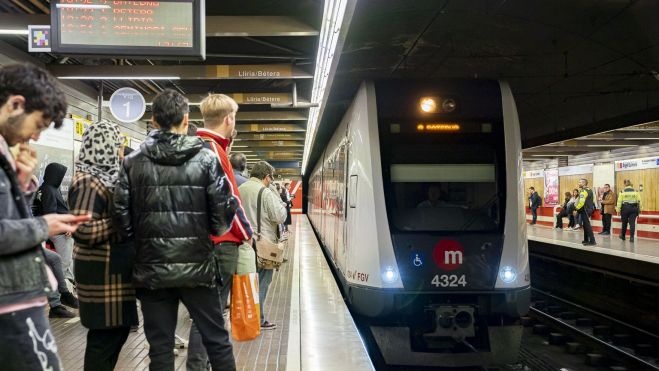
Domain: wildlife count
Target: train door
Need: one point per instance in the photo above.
(340, 178)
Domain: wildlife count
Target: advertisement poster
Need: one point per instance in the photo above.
(551, 187)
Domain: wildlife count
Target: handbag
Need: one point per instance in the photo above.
(269, 255)
(245, 307)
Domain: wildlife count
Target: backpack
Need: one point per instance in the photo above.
(37, 206)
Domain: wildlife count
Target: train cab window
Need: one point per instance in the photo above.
(444, 197)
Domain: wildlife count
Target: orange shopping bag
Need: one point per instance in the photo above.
(245, 310)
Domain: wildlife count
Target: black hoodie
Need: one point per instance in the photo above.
(49, 197)
(172, 194)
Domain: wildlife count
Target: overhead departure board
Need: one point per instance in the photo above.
(173, 28)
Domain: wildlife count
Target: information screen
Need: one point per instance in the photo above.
(128, 28)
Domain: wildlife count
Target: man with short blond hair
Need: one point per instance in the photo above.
(216, 107)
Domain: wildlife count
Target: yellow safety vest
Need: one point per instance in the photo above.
(630, 197)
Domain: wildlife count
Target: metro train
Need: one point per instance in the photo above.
(417, 201)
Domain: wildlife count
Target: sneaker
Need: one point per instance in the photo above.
(631, 239)
(60, 312)
(604, 233)
(590, 243)
(621, 237)
(268, 326)
(69, 300)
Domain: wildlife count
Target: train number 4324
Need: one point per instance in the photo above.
(449, 280)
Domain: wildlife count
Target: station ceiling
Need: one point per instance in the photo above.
(576, 67)
(282, 34)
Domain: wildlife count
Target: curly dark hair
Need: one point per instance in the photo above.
(169, 107)
(40, 89)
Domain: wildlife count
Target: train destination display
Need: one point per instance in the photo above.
(129, 28)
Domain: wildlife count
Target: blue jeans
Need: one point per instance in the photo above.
(55, 263)
(27, 342)
(265, 278)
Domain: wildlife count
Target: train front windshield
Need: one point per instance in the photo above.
(441, 183)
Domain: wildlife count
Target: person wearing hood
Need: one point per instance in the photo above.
(171, 197)
(103, 263)
(50, 201)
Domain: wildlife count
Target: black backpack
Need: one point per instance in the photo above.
(37, 208)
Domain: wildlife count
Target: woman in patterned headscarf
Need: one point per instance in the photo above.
(103, 265)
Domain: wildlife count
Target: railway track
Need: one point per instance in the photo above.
(602, 340)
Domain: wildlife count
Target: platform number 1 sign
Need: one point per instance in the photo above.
(127, 105)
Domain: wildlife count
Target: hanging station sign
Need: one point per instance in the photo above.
(575, 170)
(637, 164)
(127, 105)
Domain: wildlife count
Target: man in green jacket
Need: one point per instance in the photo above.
(629, 206)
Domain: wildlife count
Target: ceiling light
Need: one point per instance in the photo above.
(82, 6)
(610, 145)
(332, 30)
(119, 77)
(13, 32)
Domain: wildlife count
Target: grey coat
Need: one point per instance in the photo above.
(22, 264)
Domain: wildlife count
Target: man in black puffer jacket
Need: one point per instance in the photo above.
(172, 194)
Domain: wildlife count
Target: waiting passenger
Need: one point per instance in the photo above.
(103, 266)
(629, 207)
(534, 202)
(564, 211)
(289, 204)
(219, 113)
(238, 164)
(584, 209)
(574, 220)
(609, 200)
(172, 195)
(273, 213)
(49, 200)
(30, 100)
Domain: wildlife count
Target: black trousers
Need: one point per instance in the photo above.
(160, 310)
(588, 235)
(103, 348)
(606, 223)
(628, 215)
(27, 342)
(534, 213)
(559, 219)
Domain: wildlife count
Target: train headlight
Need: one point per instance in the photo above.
(389, 275)
(428, 105)
(507, 274)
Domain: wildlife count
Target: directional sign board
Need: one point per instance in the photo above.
(127, 105)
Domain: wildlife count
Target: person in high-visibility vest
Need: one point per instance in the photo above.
(629, 206)
(585, 207)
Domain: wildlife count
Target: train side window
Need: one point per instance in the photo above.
(352, 192)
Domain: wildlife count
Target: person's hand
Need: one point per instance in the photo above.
(64, 223)
(26, 161)
(574, 213)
